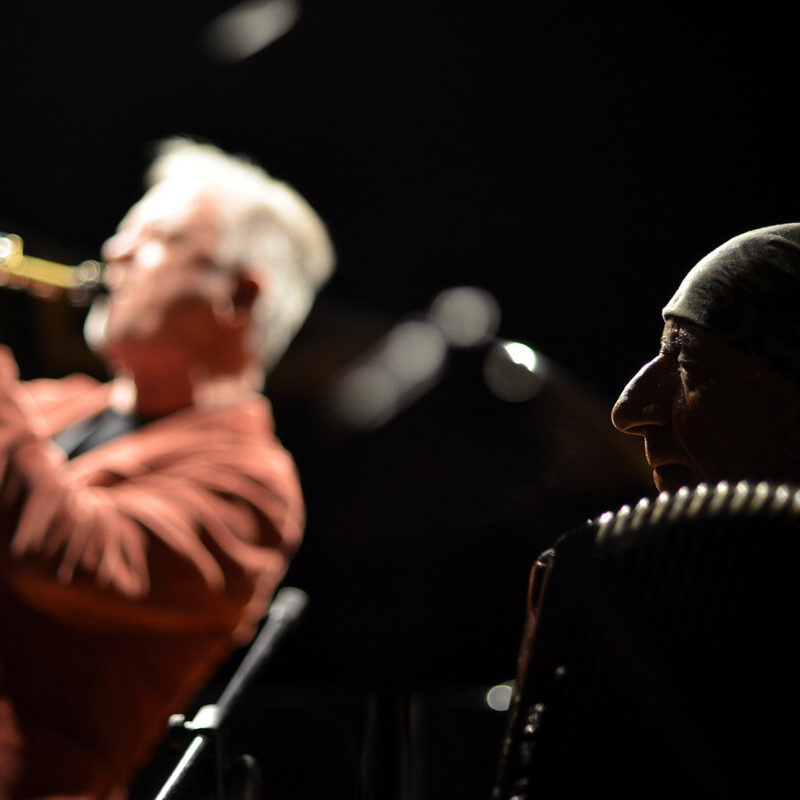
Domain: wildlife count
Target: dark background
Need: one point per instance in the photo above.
(573, 159)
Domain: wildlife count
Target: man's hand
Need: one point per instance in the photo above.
(9, 372)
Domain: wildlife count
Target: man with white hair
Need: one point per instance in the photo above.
(146, 522)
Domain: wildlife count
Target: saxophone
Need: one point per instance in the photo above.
(19, 270)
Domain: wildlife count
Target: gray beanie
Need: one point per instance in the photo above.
(748, 292)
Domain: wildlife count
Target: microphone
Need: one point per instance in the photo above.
(286, 609)
(288, 605)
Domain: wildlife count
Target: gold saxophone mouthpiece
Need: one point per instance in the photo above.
(23, 271)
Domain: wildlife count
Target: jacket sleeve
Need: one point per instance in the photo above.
(197, 541)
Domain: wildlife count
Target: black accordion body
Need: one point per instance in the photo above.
(659, 658)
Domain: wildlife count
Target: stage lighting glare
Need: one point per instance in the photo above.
(367, 396)
(415, 352)
(513, 372)
(521, 354)
(249, 27)
(466, 315)
(397, 371)
(498, 698)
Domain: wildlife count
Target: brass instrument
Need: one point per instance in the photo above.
(20, 270)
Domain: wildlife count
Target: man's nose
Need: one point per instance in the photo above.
(117, 247)
(644, 401)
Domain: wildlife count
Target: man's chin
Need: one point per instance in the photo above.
(671, 477)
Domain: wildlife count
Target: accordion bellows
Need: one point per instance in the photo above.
(658, 659)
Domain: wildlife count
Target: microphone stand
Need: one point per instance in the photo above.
(286, 608)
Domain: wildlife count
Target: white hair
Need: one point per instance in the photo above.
(267, 228)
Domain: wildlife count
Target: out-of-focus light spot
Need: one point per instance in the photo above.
(366, 396)
(89, 271)
(397, 371)
(466, 315)
(498, 698)
(414, 351)
(248, 27)
(9, 245)
(521, 354)
(513, 372)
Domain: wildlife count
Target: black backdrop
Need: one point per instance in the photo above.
(574, 159)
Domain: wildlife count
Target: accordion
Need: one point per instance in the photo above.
(658, 658)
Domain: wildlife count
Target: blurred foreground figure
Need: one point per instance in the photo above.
(721, 401)
(145, 523)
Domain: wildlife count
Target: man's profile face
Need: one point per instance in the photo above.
(708, 412)
(161, 277)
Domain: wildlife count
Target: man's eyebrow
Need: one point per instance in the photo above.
(670, 342)
(679, 341)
